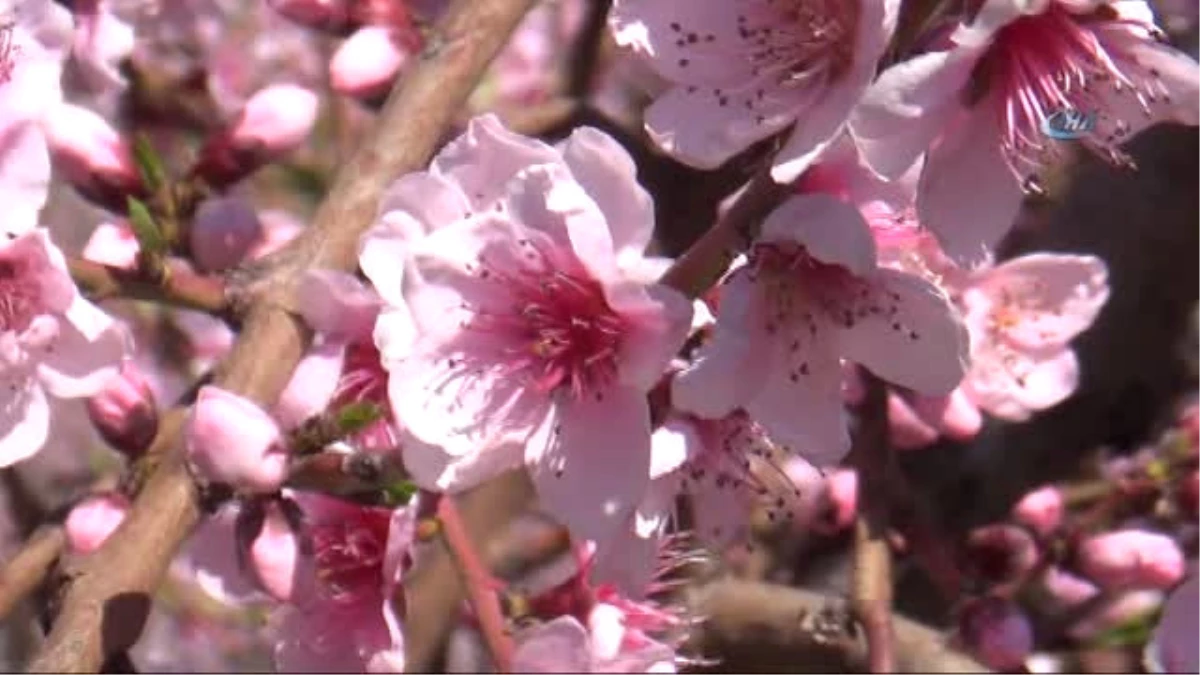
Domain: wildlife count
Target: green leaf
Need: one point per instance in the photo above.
(1132, 633)
(355, 417)
(148, 235)
(400, 491)
(149, 164)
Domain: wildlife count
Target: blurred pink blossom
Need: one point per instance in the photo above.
(1041, 510)
(1132, 558)
(91, 521)
(125, 412)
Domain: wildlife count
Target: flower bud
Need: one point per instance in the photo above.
(1041, 510)
(231, 440)
(223, 232)
(275, 121)
(366, 64)
(329, 16)
(125, 413)
(275, 554)
(92, 156)
(1062, 590)
(93, 520)
(1001, 554)
(1132, 559)
(997, 632)
(839, 501)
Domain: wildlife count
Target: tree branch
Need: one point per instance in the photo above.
(107, 600)
(29, 567)
(180, 288)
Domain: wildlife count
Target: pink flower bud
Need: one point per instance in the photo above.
(93, 520)
(92, 156)
(125, 412)
(231, 440)
(330, 16)
(1041, 510)
(839, 501)
(273, 122)
(278, 118)
(275, 553)
(1063, 590)
(1132, 558)
(1001, 553)
(366, 64)
(997, 632)
(223, 232)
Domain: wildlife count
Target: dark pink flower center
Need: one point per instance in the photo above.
(19, 296)
(1056, 61)
(561, 333)
(349, 553)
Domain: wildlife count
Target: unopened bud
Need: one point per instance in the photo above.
(92, 156)
(231, 440)
(1132, 559)
(91, 522)
(838, 502)
(275, 121)
(366, 64)
(1001, 554)
(1041, 510)
(125, 413)
(997, 632)
(223, 232)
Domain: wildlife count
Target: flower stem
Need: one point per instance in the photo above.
(179, 288)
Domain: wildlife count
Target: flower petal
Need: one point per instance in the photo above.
(485, 157)
(1014, 386)
(75, 367)
(432, 468)
(918, 341)
(419, 203)
(557, 646)
(590, 462)
(832, 231)
(607, 173)
(24, 419)
(337, 304)
(658, 320)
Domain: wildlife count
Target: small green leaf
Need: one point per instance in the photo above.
(149, 164)
(400, 491)
(146, 231)
(355, 417)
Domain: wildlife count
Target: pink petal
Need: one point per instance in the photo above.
(907, 429)
(312, 384)
(922, 345)
(433, 468)
(337, 304)
(1021, 384)
(590, 462)
(486, 156)
(607, 173)
(76, 367)
(659, 319)
(558, 646)
(955, 415)
(1066, 293)
(395, 333)
(671, 445)
(832, 231)
(419, 203)
(904, 110)
(967, 195)
(734, 364)
(24, 419)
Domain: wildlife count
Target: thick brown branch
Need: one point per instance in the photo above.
(107, 600)
(29, 567)
(180, 288)
(766, 628)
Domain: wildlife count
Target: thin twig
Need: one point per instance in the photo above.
(106, 600)
(481, 585)
(179, 288)
(871, 593)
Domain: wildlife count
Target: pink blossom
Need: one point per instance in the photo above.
(538, 332)
(342, 618)
(1132, 558)
(91, 155)
(279, 227)
(33, 47)
(979, 106)
(212, 559)
(564, 645)
(367, 63)
(1022, 316)
(91, 521)
(102, 41)
(275, 553)
(124, 412)
(231, 440)
(810, 294)
(916, 421)
(112, 244)
(1041, 510)
(52, 342)
(524, 72)
(839, 501)
(1173, 648)
(745, 70)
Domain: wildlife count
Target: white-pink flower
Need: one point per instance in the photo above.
(538, 329)
(53, 342)
(745, 69)
(35, 36)
(811, 294)
(1022, 316)
(979, 106)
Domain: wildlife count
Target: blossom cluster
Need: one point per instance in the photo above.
(510, 306)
